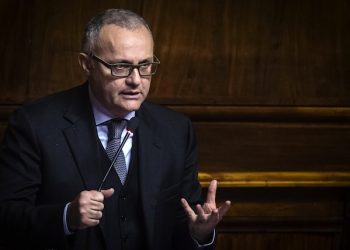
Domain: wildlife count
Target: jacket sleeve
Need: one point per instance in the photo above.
(21, 220)
(191, 191)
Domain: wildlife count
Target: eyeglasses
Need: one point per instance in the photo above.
(125, 69)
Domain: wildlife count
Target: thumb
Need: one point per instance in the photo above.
(107, 192)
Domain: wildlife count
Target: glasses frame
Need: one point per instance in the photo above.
(131, 66)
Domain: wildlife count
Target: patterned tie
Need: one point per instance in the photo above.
(115, 129)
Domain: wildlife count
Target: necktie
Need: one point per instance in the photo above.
(115, 129)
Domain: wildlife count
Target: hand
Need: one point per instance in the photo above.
(86, 209)
(203, 222)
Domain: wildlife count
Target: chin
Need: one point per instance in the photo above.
(133, 107)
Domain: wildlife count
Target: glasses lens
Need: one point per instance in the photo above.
(124, 70)
(121, 70)
(148, 69)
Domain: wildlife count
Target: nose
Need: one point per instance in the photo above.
(134, 78)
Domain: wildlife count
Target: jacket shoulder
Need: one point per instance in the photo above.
(162, 112)
(62, 98)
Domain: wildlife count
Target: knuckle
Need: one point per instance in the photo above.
(99, 215)
(82, 211)
(98, 196)
(83, 202)
(84, 193)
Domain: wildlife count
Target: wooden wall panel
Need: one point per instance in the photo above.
(57, 30)
(277, 241)
(212, 52)
(40, 45)
(14, 50)
(243, 146)
(267, 84)
(282, 218)
(251, 52)
(294, 205)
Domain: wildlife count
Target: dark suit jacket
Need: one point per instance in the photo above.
(49, 155)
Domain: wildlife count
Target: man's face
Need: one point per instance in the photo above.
(119, 45)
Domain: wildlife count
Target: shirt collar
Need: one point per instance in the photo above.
(101, 114)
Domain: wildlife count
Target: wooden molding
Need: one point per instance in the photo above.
(281, 224)
(276, 179)
(265, 113)
(246, 113)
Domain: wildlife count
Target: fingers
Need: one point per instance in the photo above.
(86, 210)
(205, 218)
(208, 207)
(214, 218)
(95, 215)
(200, 213)
(224, 208)
(211, 196)
(92, 195)
(188, 210)
(107, 193)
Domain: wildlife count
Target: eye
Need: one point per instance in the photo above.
(145, 66)
(121, 66)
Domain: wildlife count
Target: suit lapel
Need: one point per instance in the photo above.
(150, 158)
(81, 137)
(82, 144)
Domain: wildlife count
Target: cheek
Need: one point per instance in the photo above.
(111, 86)
(146, 86)
(105, 90)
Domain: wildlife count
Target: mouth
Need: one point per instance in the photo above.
(131, 94)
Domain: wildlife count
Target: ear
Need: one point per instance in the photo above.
(84, 62)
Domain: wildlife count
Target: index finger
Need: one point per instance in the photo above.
(211, 196)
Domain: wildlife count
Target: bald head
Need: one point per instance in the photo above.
(122, 18)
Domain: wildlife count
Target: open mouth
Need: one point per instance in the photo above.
(131, 94)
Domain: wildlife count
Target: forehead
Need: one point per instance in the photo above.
(116, 42)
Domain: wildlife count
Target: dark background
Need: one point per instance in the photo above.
(266, 83)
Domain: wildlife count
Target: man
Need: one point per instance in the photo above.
(57, 150)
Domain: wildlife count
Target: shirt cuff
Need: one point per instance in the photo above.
(206, 244)
(65, 224)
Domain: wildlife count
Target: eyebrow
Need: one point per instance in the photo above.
(147, 60)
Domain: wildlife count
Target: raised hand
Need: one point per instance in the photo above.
(86, 209)
(204, 219)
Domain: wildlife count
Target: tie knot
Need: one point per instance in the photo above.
(115, 128)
